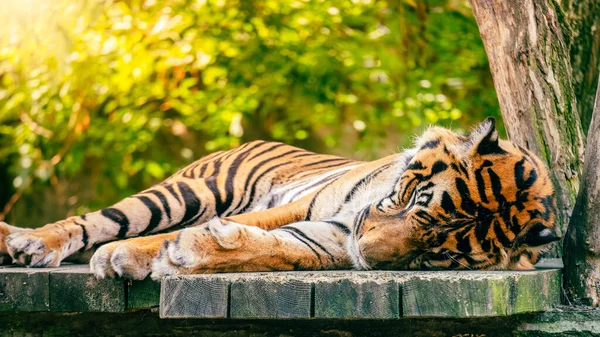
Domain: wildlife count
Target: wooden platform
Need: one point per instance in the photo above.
(287, 295)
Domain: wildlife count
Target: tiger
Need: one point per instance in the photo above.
(450, 202)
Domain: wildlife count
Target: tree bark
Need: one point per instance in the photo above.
(582, 242)
(530, 64)
(582, 19)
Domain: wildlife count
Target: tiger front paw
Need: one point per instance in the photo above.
(130, 258)
(122, 259)
(32, 249)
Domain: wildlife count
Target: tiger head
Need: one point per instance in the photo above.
(463, 202)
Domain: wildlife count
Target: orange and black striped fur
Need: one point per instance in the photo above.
(451, 202)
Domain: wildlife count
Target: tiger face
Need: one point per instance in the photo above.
(463, 202)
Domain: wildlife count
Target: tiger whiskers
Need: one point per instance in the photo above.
(455, 260)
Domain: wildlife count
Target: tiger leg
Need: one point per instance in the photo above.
(224, 246)
(182, 202)
(132, 258)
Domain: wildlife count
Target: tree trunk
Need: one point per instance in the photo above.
(582, 242)
(582, 19)
(531, 67)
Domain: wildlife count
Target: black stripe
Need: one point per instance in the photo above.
(203, 169)
(467, 204)
(229, 181)
(84, 235)
(447, 204)
(417, 165)
(322, 181)
(339, 225)
(118, 217)
(253, 189)
(301, 233)
(189, 171)
(325, 161)
(169, 187)
(192, 204)
(156, 214)
(314, 200)
(425, 202)
(192, 220)
(438, 166)
(432, 144)
(363, 181)
(163, 200)
(463, 242)
(360, 219)
(253, 172)
(480, 181)
(504, 241)
(523, 183)
(497, 188)
(211, 184)
(414, 181)
(333, 165)
(277, 145)
(463, 168)
(306, 154)
(301, 240)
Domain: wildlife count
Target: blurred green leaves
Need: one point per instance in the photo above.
(125, 92)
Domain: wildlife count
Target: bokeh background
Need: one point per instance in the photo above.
(100, 99)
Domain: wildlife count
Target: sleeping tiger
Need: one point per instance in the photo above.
(451, 202)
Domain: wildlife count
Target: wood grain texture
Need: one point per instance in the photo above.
(361, 295)
(286, 295)
(582, 242)
(260, 298)
(351, 299)
(187, 297)
(76, 289)
(480, 294)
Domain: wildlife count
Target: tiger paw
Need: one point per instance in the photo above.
(131, 258)
(214, 247)
(122, 259)
(32, 249)
(180, 256)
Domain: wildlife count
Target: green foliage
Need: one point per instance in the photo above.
(125, 92)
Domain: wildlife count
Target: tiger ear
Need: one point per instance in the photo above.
(539, 235)
(484, 139)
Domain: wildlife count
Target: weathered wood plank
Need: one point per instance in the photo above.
(270, 297)
(456, 294)
(536, 291)
(480, 294)
(24, 289)
(143, 294)
(201, 297)
(76, 289)
(359, 295)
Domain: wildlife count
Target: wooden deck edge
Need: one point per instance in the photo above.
(287, 295)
